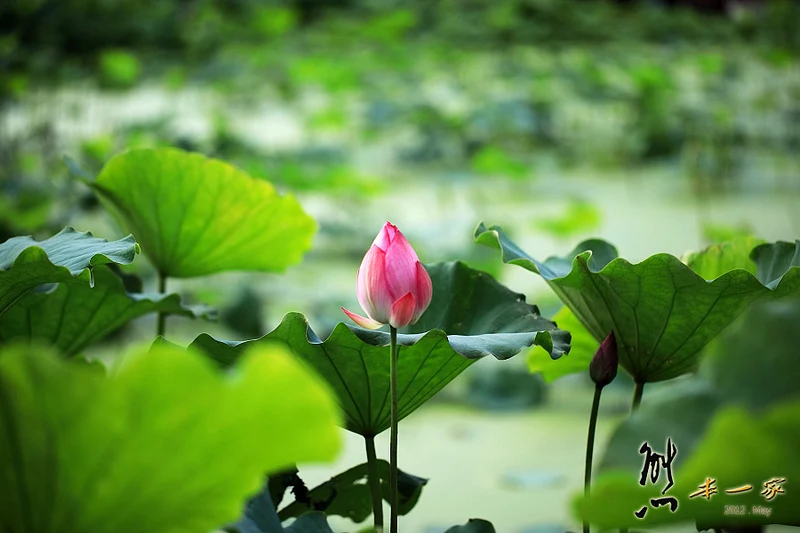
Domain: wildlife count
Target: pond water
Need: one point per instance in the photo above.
(518, 470)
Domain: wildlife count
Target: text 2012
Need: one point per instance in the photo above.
(735, 509)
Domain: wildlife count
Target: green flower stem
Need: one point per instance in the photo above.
(393, 436)
(638, 390)
(637, 395)
(587, 480)
(162, 317)
(374, 483)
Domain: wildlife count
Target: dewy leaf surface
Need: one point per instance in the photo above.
(77, 314)
(167, 444)
(662, 312)
(737, 422)
(195, 215)
(26, 263)
(470, 316)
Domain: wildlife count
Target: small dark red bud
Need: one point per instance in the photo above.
(603, 368)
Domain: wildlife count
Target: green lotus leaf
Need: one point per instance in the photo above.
(718, 259)
(709, 263)
(26, 263)
(737, 421)
(313, 522)
(777, 266)
(342, 495)
(661, 311)
(195, 215)
(582, 349)
(166, 443)
(259, 515)
(348, 495)
(470, 316)
(474, 525)
(78, 314)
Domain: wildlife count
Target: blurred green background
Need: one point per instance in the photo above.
(661, 128)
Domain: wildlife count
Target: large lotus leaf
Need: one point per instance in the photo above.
(470, 316)
(738, 422)
(26, 263)
(661, 311)
(78, 314)
(709, 263)
(167, 443)
(195, 216)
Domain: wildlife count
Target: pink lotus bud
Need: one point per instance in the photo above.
(392, 287)
(603, 368)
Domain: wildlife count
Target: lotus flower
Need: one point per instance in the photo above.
(392, 286)
(603, 368)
